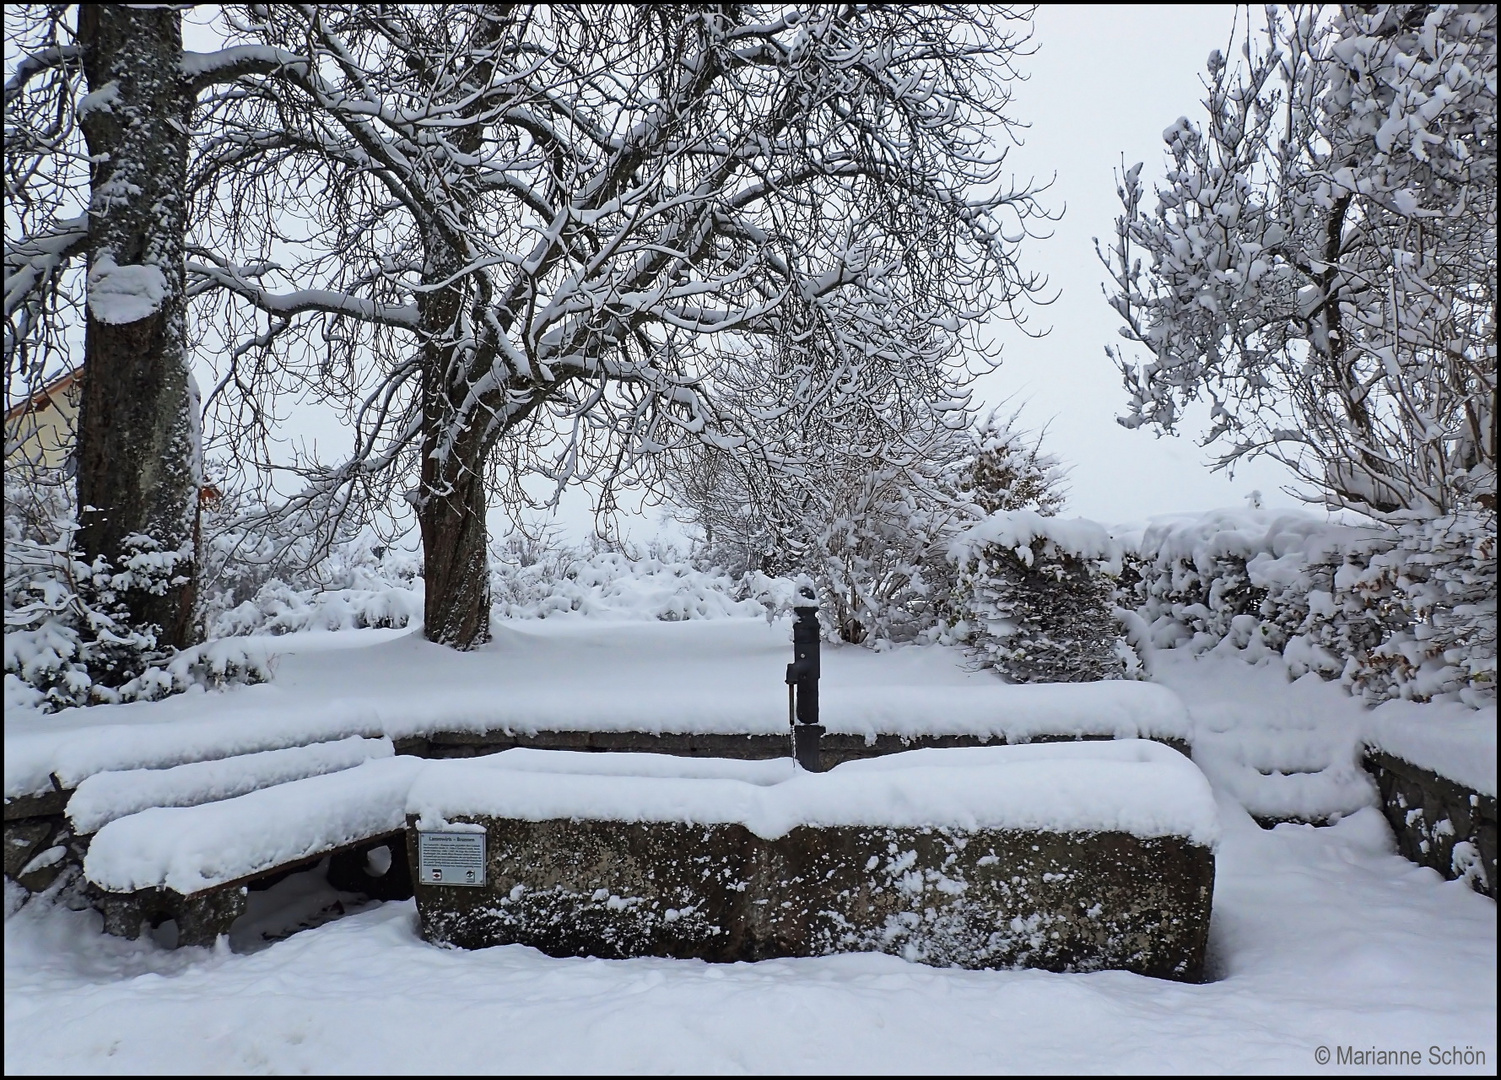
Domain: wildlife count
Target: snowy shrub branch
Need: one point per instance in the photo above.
(1320, 266)
(69, 637)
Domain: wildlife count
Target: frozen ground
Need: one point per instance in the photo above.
(1322, 937)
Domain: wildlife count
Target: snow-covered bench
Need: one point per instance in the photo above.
(105, 796)
(48, 830)
(194, 863)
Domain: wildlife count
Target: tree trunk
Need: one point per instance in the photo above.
(455, 557)
(451, 506)
(139, 451)
(451, 509)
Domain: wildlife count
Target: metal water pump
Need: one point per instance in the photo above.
(802, 683)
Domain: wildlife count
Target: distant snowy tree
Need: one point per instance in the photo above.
(1005, 468)
(1321, 263)
(555, 230)
(866, 507)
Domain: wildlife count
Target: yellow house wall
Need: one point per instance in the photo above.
(46, 434)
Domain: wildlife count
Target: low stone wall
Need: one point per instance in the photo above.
(1438, 822)
(983, 898)
(39, 843)
(836, 748)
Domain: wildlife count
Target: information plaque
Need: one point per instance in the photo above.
(451, 858)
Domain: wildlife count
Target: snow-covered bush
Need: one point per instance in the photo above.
(69, 638)
(1433, 593)
(1403, 612)
(365, 585)
(850, 493)
(1190, 581)
(875, 560)
(268, 570)
(1034, 598)
(598, 581)
(359, 584)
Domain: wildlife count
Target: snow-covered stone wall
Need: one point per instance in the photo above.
(1438, 822)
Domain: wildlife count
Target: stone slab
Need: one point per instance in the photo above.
(982, 898)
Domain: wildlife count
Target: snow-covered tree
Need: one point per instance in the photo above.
(1004, 467)
(136, 454)
(1321, 263)
(557, 229)
(865, 501)
(102, 177)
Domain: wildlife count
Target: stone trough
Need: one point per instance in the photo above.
(1063, 856)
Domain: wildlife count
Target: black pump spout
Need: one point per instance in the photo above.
(802, 677)
(802, 673)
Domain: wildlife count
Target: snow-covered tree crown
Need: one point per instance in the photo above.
(585, 217)
(1321, 263)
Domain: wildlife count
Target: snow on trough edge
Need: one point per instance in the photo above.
(1134, 786)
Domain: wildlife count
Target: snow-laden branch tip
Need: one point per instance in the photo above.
(403, 316)
(36, 63)
(32, 261)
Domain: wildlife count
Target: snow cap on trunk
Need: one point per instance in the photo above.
(119, 295)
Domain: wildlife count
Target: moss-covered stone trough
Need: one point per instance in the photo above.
(1066, 857)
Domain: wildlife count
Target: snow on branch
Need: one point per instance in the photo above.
(293, 303)
(36, 63)
(33, 261)
(206, 69)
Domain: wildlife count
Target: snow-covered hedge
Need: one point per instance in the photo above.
(611, 584)
(1406, 612)
(363, 590)
(1035, 598)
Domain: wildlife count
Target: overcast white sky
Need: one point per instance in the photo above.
(1104, 83)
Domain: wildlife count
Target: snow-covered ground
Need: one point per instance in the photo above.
(568, 673)
(1322, 937)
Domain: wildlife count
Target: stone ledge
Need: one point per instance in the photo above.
(1431, 815)
(837, 748)
(42, 804)
(982, 898)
